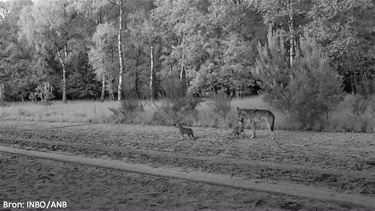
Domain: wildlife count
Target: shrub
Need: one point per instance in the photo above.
(128, 112)
(181, 109)
(172, 87)
(308, 90)
(44, 92)
(363, 111)
(4, 103)
(220, 104)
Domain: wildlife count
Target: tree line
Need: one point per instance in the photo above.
(118, 49)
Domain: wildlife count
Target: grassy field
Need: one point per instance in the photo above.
(342, 119)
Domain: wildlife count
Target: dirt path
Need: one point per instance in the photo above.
(289, 189)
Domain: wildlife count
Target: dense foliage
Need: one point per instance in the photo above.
(202, 47)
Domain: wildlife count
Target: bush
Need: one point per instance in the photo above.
(128, 112)
(220, 104)
(317, 93)
(44, 92)
(363, 111)
(172, 87)
(172, 111)
(4, 103)
(308, 91)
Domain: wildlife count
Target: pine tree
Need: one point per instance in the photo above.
(308, 90)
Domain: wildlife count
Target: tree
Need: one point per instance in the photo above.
(307, 91)
(202, 39)
(346, 31)
(120, 3)
(138, 39)
(100, 54)
(151, 37)
(53, 26)
(17, 76)
(180, 23)
(289, 15)
(82, 83)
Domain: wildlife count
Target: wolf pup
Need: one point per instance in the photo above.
(257, 115)
(185, 130)
(238, 129)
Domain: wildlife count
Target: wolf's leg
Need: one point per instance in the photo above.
(253, 129)
(192, 136)
(272, 136)
(269, 128)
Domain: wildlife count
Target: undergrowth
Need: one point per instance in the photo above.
(347, 117)
(171, 111)
(128, 112)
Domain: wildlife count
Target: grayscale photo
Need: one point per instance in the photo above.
(213, 105)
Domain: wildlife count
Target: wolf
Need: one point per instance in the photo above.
(257, 115)
(185, 130)
(238, 129)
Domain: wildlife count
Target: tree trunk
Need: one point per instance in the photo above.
(119, 37)
(183, 82)
(136, 75)
(151, 75)
(111, 88)
(63, 64)
(291, 33)
(103, 89)
(1, 92)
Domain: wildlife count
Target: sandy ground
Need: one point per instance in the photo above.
(89, 188)
(344, 162)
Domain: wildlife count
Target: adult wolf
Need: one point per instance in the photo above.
(257, 115)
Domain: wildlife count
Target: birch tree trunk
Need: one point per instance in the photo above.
(63, 64)
(136, 79)
(183, 81)
(291, 33)
(119, 37)
(103, 89)
(152, 75)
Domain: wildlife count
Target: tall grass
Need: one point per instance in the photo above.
(73, 111)
(209, 118)
(342, 119)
